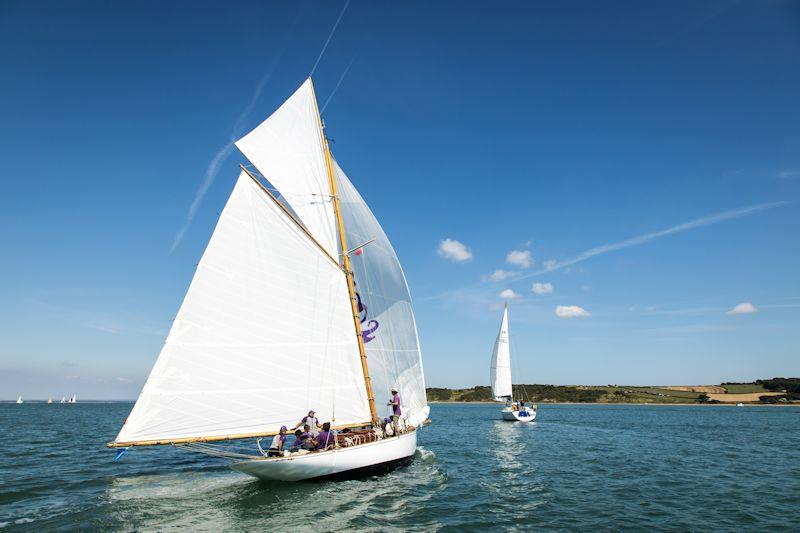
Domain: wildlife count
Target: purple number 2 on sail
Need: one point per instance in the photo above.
(367, 332)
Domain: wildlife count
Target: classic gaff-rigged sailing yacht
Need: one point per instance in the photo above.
(283, 316)
(500, 377)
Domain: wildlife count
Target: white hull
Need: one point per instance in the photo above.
(338, 462)
(516, 416)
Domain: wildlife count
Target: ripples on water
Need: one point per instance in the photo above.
(590, 466)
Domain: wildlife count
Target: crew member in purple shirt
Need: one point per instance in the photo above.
(276, 448)
(325, 438)
(396, 411)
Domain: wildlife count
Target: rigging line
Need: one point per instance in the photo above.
(330, 36)
(341, 78)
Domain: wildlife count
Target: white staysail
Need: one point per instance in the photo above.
(500, 370)
(287, 150)
(264, 334)
(386, 314)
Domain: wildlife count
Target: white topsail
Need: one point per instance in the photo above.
(266, 331)
(501, 363)
(264, 334)
(387, 318)
(287, 150)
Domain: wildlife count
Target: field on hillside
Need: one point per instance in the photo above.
(746, 397)
(744, 388)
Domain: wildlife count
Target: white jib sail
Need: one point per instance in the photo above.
(287, 150)
(500, 370)
(264, 334)
(387, 317)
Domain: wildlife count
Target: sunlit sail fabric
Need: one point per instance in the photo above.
(386, 314)
(500, 369)
(287, 150)
(264, 334)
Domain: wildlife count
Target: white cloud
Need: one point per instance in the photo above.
(509, 294)
(521, 258)
(743, 308)
(571, 311)
(453, 250)
(550, 264)
(542, 288)
(500, 275)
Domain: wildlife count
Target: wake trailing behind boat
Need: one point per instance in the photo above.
(500, 378)
(297, 304)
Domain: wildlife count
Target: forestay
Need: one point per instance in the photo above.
(287, 150)
(264, 334)
(385, 311)
(500, 370)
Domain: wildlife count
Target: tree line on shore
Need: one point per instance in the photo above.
(789, 387)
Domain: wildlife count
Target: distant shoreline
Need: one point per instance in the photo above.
(666, 404)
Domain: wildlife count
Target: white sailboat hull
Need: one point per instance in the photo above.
(517, 416)
(366, 459)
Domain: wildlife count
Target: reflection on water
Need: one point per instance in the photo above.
(607, 467)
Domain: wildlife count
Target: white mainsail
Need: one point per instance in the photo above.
(287, 150)
(264, 334)
(387, 318)
(500, 370)
(19, 399)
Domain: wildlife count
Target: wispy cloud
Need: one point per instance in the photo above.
(647, 237)
(571, 311)
(743, 308)
(500, 275)
(509, 294)
(454, 250)
(789, 174)
(542, 288)
(520, 258)
(225, 150)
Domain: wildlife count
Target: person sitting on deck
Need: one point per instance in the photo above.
(386, 426)
(311, 421)
(325, 438)
(302, 440)
(276, 448)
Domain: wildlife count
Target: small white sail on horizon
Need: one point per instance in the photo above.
(500, 377)
(63, 399)
(19, 399)
(279, 320)
(500, 370)
(49, 399)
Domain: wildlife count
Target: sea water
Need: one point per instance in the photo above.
(607, 467)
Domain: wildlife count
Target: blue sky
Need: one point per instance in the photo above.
(657, 143)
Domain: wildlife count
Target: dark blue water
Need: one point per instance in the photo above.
(592, 466)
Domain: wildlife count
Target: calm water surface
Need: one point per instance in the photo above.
(579, 466)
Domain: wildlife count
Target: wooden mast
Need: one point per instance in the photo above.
(348, 271)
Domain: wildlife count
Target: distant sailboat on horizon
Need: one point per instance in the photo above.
(19, 399)
(63, 399)
(73, 399)
(500, 377)
(49, 399)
